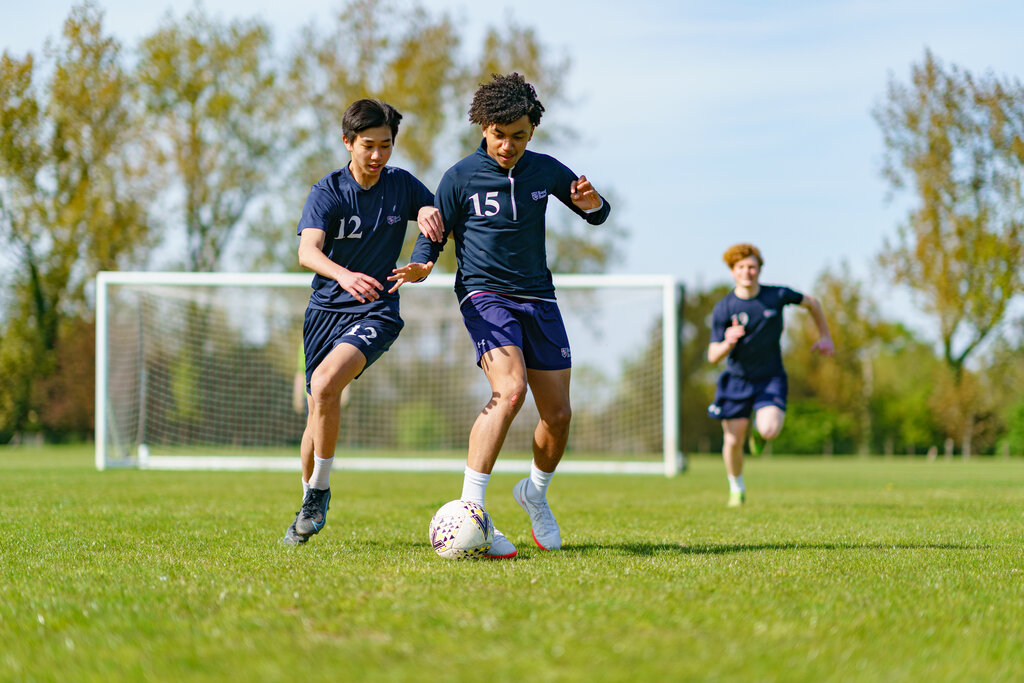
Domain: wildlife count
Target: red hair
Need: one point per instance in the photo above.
(738, 252)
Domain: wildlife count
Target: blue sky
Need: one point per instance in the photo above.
(714, 122)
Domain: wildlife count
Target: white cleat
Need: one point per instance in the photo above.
(501, 547)
(546, 533)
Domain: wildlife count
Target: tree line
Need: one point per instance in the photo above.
(193, 148)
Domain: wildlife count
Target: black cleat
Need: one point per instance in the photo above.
(293, 537)
(313, 514)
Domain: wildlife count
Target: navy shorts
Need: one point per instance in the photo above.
(372, 332)
(534, 326)
(738, 397)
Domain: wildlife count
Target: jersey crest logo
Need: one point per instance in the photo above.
(393, 219)
(539, 195)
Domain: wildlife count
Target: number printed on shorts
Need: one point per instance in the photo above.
(367, 334)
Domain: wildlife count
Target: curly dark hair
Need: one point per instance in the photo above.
(504, 100)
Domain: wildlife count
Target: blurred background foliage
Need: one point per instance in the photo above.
(194, 149)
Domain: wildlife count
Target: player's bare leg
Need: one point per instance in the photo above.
(306, 444)
(768, 421)
(330, 378)
(291, 536)
(505, 369)
(733, 431)
(551, 394)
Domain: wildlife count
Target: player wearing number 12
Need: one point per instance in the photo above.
(492, 205)
(350, 234)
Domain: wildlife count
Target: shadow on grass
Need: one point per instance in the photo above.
(644, 549)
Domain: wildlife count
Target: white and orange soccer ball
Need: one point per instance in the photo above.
(461, 528)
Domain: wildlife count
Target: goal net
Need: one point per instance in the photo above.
(203, 371)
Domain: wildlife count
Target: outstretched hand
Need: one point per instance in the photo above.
(583, 194)
(410, 272)
(824, 346)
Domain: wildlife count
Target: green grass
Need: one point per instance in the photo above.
(841, 569)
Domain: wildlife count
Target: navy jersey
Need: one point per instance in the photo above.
(365, 230)
(758, 354)
(496, 218)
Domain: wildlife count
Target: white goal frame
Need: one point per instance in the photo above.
(673, 462)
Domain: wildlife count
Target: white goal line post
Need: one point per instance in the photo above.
(673, 459)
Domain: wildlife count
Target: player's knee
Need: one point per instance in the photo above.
(513, 397)
(770, 429)
(558, 419)
(322, 391)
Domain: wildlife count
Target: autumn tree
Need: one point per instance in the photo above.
(843, 383)
(403, 55)
(954, 146)
(220, 123)
(72, 201)
(415, 64)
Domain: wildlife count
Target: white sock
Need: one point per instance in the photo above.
(321, 478)
(540, 480)
(736, 483)
(474, 485)
(305, 488)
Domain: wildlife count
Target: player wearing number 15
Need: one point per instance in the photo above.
(350, 234)
(492, 205)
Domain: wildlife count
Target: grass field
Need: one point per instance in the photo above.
(837, 569)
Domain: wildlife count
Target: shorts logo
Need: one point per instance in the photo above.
(539, 195)
(714, 410)
(393, 219)
(566, 353)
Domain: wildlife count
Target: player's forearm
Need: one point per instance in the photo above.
(814, 306)
(426, 250)
(719, 350)
(316, 260)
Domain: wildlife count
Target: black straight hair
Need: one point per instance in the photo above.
(369, 113)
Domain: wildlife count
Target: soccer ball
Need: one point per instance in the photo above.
(461, 528)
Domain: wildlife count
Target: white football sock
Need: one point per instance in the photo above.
(321, 478)
(305, 488)
(540, 480)
(474, 486)
(736, 483)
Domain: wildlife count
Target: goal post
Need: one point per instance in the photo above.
(201, 371)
